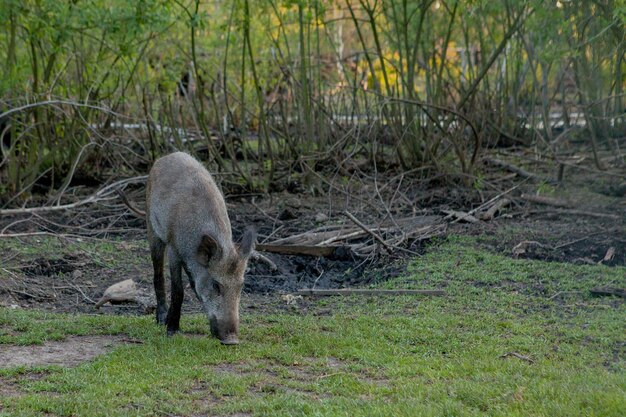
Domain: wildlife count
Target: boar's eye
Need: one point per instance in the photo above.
(217, 288)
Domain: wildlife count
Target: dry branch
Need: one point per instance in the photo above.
(369, 231)
(102, 194)
(609, 255)
(512, 168)
(400, 230)
(585, 213)
(549, 201)
(460, 216)
(309, 250)
(490, 213)
(257, 257)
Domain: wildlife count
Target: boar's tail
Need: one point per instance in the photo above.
(132, 208)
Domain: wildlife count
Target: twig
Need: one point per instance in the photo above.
(495, 198)
(102, 194)
(77, 288)
(346, 236)
(256, 256)
(370, 232)
(460, 215)
(512, 168)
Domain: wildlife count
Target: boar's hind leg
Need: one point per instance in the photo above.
(157, 252)
(177, 294)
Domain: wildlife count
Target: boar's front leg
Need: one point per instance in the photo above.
(157, 253)
(177, 292)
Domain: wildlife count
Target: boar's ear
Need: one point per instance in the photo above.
(247, 243)
(207, 250)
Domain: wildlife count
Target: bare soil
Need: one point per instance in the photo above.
(70, 352)
(71, 282)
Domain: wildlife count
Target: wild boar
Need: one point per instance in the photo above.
(186, 214)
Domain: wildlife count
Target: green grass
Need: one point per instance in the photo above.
(369, 357)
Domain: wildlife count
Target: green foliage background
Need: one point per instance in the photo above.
(435, 79)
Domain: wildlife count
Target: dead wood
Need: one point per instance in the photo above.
(105, 193)
(490, 213)
(324, 240)
(513, 168)
(607, 291)
(256, 256)
(369, 231)
(460, 216)
(492, 200)
(308, 250)
(574, 212)
(549, 201)
(354, 291)
(609, 255)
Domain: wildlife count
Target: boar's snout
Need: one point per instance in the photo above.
(226, 332)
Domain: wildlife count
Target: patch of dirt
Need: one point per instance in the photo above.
(10, 386)
(300, 374)
(561, 239)
(67, 282)
(53, 266)
(67, 353)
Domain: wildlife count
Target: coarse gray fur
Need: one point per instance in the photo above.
(186, 214)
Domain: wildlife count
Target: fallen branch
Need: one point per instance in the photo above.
(351, 291)
(102, 194)
(497, 197)
(609, 255)
(512, 168)
(491, 212)
(257, 257)
(460, 216)
(309, 250)
(369, 231)
(548, 201)
(575, 213)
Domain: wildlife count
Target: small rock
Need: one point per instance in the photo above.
(121, 292)
(77, 273)
(321, 217)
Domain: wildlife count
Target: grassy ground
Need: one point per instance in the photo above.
(498, 344)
